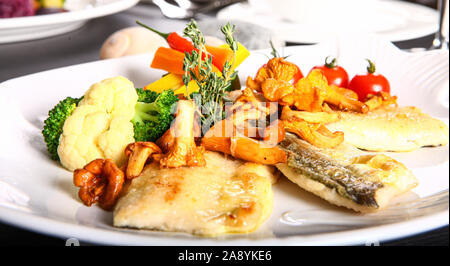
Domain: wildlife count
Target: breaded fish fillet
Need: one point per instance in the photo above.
(343, 176)
(225, 196)
(391, 129)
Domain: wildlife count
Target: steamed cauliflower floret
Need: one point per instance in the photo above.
(100, 127)
(114, 141)
(117, 96)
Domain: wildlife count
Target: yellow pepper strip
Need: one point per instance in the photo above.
(193, 87)
(241, 54)
(169, 81)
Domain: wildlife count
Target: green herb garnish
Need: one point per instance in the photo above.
(197, 66)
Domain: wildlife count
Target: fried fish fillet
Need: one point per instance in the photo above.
(225, 196)
(391, 129)
(345, 177)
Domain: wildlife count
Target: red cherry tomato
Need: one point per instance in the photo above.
(297, 76)
(335, 74)
(369, 83)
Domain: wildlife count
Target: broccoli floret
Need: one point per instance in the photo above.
(146, 96)
(152, 119)
(53, 125)
(153, 114)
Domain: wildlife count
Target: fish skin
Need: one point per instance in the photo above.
(347, 182)
(365, 183)
(389, 128)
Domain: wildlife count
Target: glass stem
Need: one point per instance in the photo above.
(441, 37)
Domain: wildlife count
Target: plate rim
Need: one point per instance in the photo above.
(71, 16)
(392, 37)
(372, 235)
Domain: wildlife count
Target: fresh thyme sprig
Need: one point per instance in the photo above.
(197, 66)
(274, 51)
(193, 32)
(228, 30)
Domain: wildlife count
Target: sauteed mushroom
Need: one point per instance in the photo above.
(184, 151)
(99, 181)
(138, 154)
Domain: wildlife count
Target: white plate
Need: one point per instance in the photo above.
(305, 21)
(37, 194)
(41, 26)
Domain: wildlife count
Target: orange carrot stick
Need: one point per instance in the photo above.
(169, 60)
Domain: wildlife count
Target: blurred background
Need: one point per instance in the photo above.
(78, 31)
